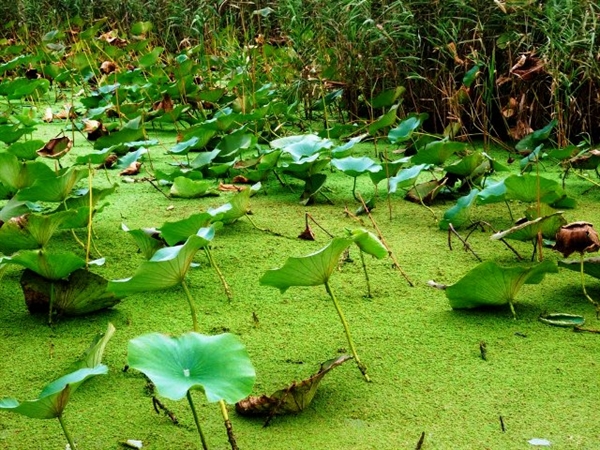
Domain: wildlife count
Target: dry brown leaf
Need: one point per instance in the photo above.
(56, 148)
(108, 67)
(132, 169)
(528, 67)
(230, 188)
(166, 104)
(577, 237)
(241, 179)
(110, 161)
(95, 129)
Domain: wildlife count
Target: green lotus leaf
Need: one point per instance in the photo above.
(50, 264)
(437, 152)
(55, 189)
(389, 169)
(492, 193)
(54, 397)
(166, 269)
(30, 231)
(356, 166)
(405, 129)
(12, 133)
(532, 140)
(82, 293)
(17, 175)
(95, 157)
(384, 121)
(458, 215)
(311, 270)
(185, 188)
(92, 357)
(26, 150)
(132, 131)
(326, 100)
(471, 75)
(175, 232)
(150, 58)
(231, 144)
(467, 166)
(591, 266)
(183, 147)
(529, 188)
(147, 239)
(197, 136)
(528, 230)
(217, 365)
(492, 284)
(204, 159)
(305, 167)
(131, 157)
(406, 178)
(562, 320)
(368, 243)
(238, 206)
(344, 150)
(302, 146)
(387, 98)
(14, 208)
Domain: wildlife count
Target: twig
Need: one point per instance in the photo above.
(352, 216)
(158, 407)
(452, 231)
(156, 187)
(502, 427)
(510, 247)
(382, 239)
(421, 441)
(309, 216)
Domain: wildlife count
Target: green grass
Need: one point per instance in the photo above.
(424, 359)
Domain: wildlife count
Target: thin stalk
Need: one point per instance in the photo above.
(90, 216)
(192, 307)
(66, 432)
(228, 426)
(219, 273)
(362, 260)
(361, 366)
(583, 286)
(51, 303)
(198, 427)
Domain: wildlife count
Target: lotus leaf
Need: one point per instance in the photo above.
(356, 166)
(458, 215)
(55, 189)
(52, 265)
(185, 188)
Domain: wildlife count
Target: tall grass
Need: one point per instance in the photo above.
(426, 46)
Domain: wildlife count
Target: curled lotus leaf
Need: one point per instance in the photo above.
(577, 237)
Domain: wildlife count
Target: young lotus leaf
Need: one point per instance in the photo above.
(148, 240)
(166, 269)
(51, 265)
(231, 144)
(562, 320)
(387, 98)
(468, 166)
(55, 189)
(328, 99)
(458, 215)
(183, 147)
(491, 284)
(236, 208)
(437, 152)
(292, 399)
(204, 159)
(302, 146)
(356, 166)
(15, 208)
(30, 231)
(92, 357)
(389, 169)
(341, 151)
(130, 158)
(82, 293)
(199, 136)
(185, 188)
(80, 202)
(368, 243)
(311, 270)
(425, 193)
(217, 365)
(54, 397)
(405, 129)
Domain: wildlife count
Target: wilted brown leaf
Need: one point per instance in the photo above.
(241, 179)
(56, 148)
(230, 188)
(95, 129)
(577, 237)
(108, 67)
(132, 169)
(528, 67)
(112, 37)
(510, 109)
(166, 104)
(307, 235)
(110, 161)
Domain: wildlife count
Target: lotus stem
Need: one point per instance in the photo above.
(90, 216)
(583, 286)
(362, 260)
(51, 303)
(198, 427)
(228, 426)
(361, 366)
(354, 189)
(192, 307)
(66, 432)
(219, 274)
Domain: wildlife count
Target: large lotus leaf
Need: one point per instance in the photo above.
(132, 131)
(217, 365)
(437, 152)
(198, 136)
(236, 208)
(92, 357)
(147, 239)
(384, 121)
(54, 397)
(528, 230)
(405, 129)
(591, 266)
(492, 193)
(16, 175)
(30, 231)
(129, 158)
(50, 264)
(458, 215)
(467, 166)
(293, 398)
(185, 188)
(387, 98)
(26, 150)
(23, 87)
(302, 146)
(369, 243)
(82, 293)
(55, 189)
(341, 151)
(204, 159)
(388, 170)
(231, 144)
(406, 178)
(305, 167)
(81, 198)
(356, 166)
(311, 270)
(529, 188)
(492, 284)
(175, 232)
(12, 133)
(167, 267)
(532, 140)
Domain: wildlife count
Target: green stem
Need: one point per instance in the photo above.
(192, 307)
(219, 273)
(354, 189)
(51, 303)
(583, 286)
(67, 435)
(198, 427)
(228, 426)
(362, 260)
(361, 366)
